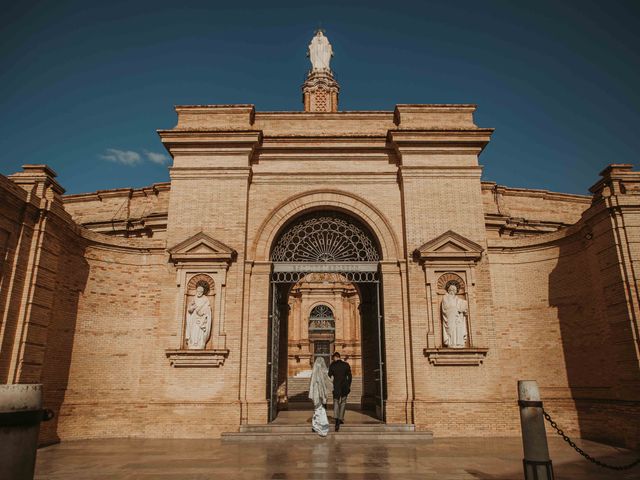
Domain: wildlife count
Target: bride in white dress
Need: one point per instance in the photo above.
(319, 389)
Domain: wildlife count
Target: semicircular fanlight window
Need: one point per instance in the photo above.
(325, 239)
(321, 318)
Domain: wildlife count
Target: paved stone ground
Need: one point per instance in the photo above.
(304, 413)
(441, 459)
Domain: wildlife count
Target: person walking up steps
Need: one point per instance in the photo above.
(319, 393)
(340, 372)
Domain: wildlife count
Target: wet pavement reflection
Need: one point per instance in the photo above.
(441, 459)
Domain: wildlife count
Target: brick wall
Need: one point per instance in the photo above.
(43, 273)
(92, 315)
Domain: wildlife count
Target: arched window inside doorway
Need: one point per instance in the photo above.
(322, 328)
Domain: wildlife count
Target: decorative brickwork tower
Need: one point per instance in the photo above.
(320, 89)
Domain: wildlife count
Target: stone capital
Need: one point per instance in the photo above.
(39, 180)
(618, 179)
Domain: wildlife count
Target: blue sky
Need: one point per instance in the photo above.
(84, 85)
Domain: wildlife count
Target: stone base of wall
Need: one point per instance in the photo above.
(461, 419)
(492, 418)
(611, 422)
(148, 420)
(614, 423)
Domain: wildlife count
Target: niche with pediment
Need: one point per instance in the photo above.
(201, 271)
(449, 263)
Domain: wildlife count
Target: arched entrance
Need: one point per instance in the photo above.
(338, 254)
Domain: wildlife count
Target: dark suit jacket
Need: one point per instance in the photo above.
(341, 373)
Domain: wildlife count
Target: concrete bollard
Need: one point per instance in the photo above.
(537, 464)
(20, 416)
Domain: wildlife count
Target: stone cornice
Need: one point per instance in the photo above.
(618, 187)
(448, 247)
(42, 174)
(303, 148)
(230, 143)
(403, 117)
(455, 171)
(197, 358)
(222, 172)
(120, 244)
(227, 117)
(536, 193)
(13, 189)
(201, 248)
(278, 178)
(154, 189)
(456, 356)
(445, 141)
(199, 137)
(538, 242)
(341, 115)
(414, 116)
(40, 191)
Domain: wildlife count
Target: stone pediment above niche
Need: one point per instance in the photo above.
(201, 248)
(448, 247)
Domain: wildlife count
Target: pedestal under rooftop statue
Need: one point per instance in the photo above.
(320, 90)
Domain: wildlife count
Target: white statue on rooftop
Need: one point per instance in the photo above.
(320, 52)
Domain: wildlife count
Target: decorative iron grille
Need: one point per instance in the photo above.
(354, 277)
(325, 238)
(321, 312)
(321, 319)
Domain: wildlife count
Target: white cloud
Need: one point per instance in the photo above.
(124, 157)
(159, 158)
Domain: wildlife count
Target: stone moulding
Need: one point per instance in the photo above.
(197, 358)
(455, 356)
(201, 248)
(449, 247)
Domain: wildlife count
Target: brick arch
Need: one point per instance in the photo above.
(325, 200)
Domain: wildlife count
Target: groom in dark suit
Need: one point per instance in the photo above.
(340, 372)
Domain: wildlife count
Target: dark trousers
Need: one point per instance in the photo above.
(339, 406)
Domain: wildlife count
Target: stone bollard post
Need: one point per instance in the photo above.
(537, 464)
(20, 416)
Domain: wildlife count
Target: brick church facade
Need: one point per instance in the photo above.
(375, 215)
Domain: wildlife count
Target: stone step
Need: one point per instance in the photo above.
(342, 435)
(347, 428)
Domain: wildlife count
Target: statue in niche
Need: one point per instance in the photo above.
(320, 52)
(198, 319)
(454, 317)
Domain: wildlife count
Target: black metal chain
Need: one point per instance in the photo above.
(554, 425)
